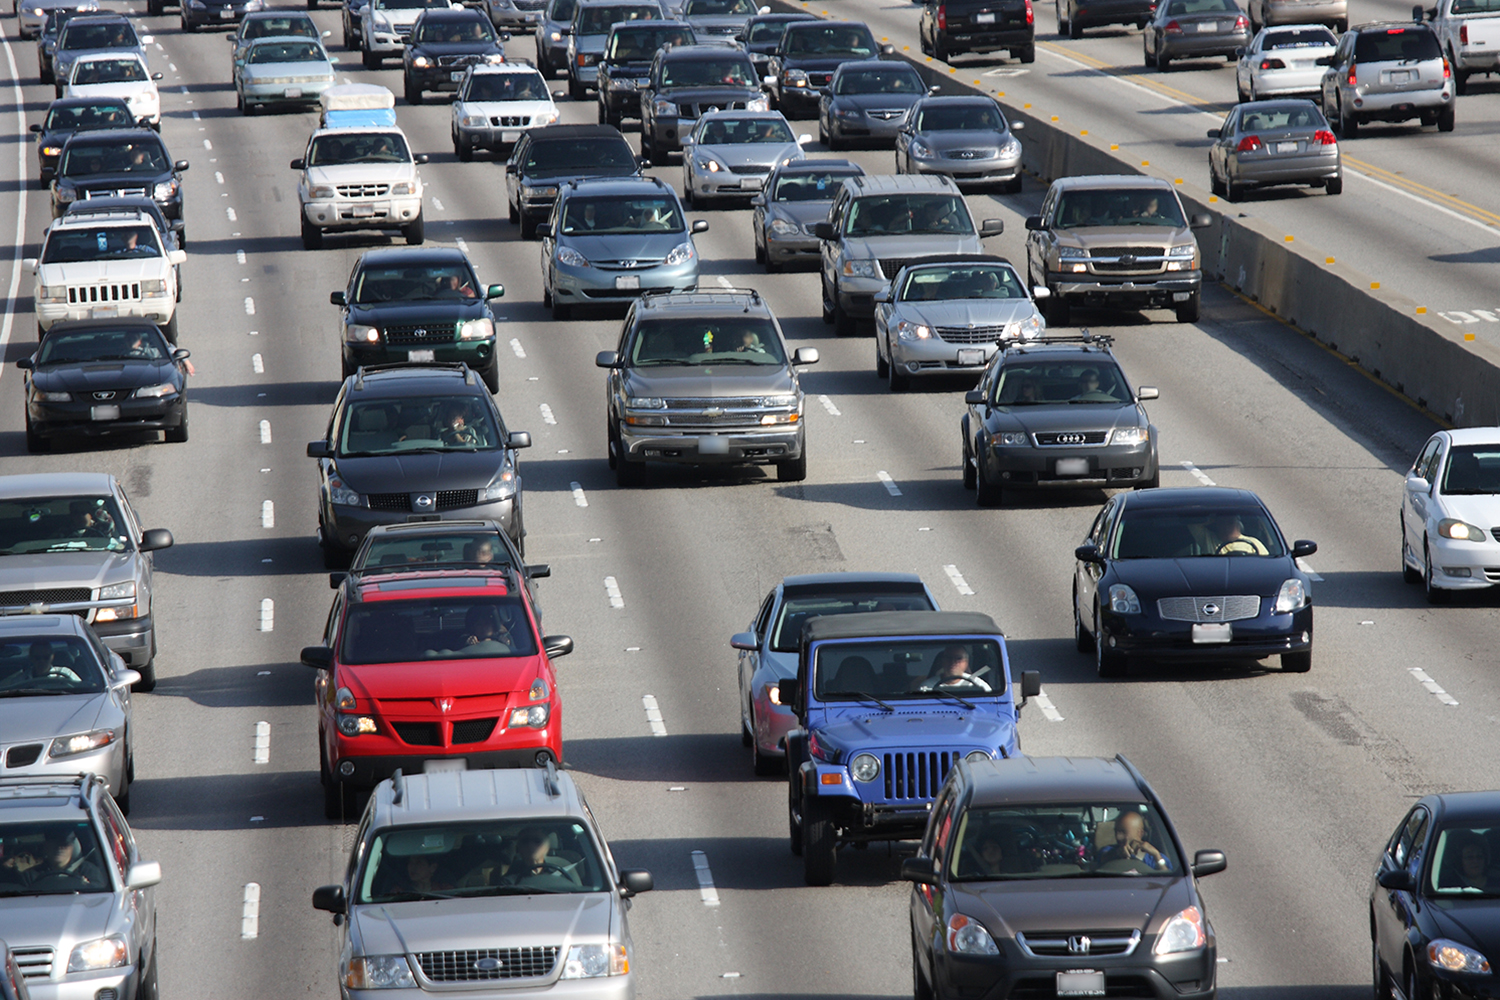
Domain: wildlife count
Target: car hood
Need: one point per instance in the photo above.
(939, 723)
(1483, 510)
(457, 49)
(116, 269)
(722, 96)
(50, 570)
(419, 473)
(115, 180)
(1062, 417)
(68, 55)
(708, 382)
(43, 716)
(494, 109)
(407, 15)
(964, 139)
(542, 176)
(361, 173)
(441, 314)
(303, 67)
(1205, 575)
(103, 375)
(1474, 922)
(1154, 237)
(905, 245)
(761, 154)
(813, 62)
(803, 213)
(875, 102)
(474, 924)
(969, 312)
(626, 246)
(1123, 903)
(492, 679)
(782, 665)
(63, 918)
(589, 43)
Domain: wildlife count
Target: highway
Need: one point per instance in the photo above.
(1299, 778)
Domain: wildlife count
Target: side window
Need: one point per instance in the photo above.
(331, 627)
(763, 619)
(1231, 120)
(1415, 825)
(1415, 838)
(942, 816)
(117, 843)
(132, 523)
(1434, 460)
(609, 857)
(627, 331)
(357, 853)
(1096, 533)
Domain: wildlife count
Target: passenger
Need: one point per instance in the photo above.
(1473, 870)
(950, 669)
(481, 551)
(421, 872)
(1131, 844)
(767, 131)
(88, 520)
(1229, 530)
(1029, 392)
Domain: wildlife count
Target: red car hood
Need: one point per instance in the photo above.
(471, 684)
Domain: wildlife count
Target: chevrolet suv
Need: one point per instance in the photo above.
(432, 668)
(687, 81)
(1388, 72)
(625, 65)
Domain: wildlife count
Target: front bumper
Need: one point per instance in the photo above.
(490, 136)
(1463, 565)
(438, 78)
(857, 295)
(107, 762)
(1287, 169)
(1150, 637)
(1138, 292)
(73, 417)
(622, 100)
(386, 43)
(348, 214)
(1185, 977)
(792, 249)
(289, 93)
(728, 184)
(1108, 466)
(584, 285)
(509, 17)
(368, 771)
(1194, 47)
(157, 309)
(134, 639)
(938, 357)
(85, 986)
(347, 526)
(798, 102)
(200, 15)
(727, 447)
(477, 354)
(1000, 168)
(604, 988)
(865, 127)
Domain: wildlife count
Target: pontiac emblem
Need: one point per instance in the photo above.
(1210, 610)
(445, 704)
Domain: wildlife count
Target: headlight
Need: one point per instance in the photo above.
(540, 191)
(781, 227)
(501, 489)
(68, 746)
(913, 331)
(101, 953)
(860, 269)
(967, 936)
(794, 78)
(1013, 439)
(476, 329)
(53, 293)
(978, 755)
(1186, 250)
(1183, 932)
(1029, 328)
(539, 690)
(681, 254)
(1012, 147)
(1122, 601)
(544, 119)
(1291, 597)
(53, 397)
(758, 104)
(156, 391)
(356, 725)
(51, 150)
(354, 333)
(778, 401)
(571, 257)
(920, 149)
(1130, 435)
(379, 972)
(380, 23)
(848, 113)
(322, 192)
(645, 403)
(342, 495)
(590, 961)
(421, 62)
(1454, 957)
(662, 107)
(534, 717)
(712, 166)
(1450, 527)
(153, 286)
(622, 83)
(117, 592)
(556, 36)
(404, 187)
(1072, 253)
(343, 699)
(864, 767)
(66, 194)
(474, 121)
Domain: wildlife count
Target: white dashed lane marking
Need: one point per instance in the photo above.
(437, 204)
(257, 365)
(250, 911)
(828, 405)
(265, 432)
(959, 583)
(267, 615)
(653, 715)
(1197, 473)
(206, 143)
(612, 590)
(249, 306)
(578, 496)
(515, 345)
(888, 483)
(230, 213)
(706, 890)
(267, 514)
(262, 753)
(1049, 710)
(724, 282)
(547, 416)
(239, 257)
(1432, 686)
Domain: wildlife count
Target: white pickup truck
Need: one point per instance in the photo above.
(1469, 32)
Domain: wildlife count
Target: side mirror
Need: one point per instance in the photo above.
(888, 50)
(759, 201)
(974, 397)
(181, 354)
(644, 162)
(420, 158)
(1147, 392)
(1034, 223)
(1213, 133)
(1017, 126)
(317, 657)
(557, 645)
(634, 881)
(1041, 292)
(544, 230)
(1031, 683)
(768, 81)
(519, 439)
(180, 166)
(919, 870)
(298, 165)
(804, 139)
(607, 359)
(330, 898)
(318, 449)
(1089, 554)
(1397, 878)
(805, 356)
(36, 128)
(326, 34)
(823, 230)
(126, 679)
(25, 364)
(934, 89)
(495, 292)
(884, 295)
(825, 91)
(337, 298)
(153, 539)
(1201, 221)
(1416, 12)
(336, 579)
(176, 256)
(537, 571)
(745, 641)
(510, 168)
(992, 227)
(156, 76)
(143, 874)
(1209, 863)
(1414, 484)
(700, 225)
(558, 95)
(1303, 547)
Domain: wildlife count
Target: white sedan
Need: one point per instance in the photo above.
(1283, 60)
(1450, 513)
(122, 75)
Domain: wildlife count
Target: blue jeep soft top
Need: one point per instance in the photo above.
(886, 703)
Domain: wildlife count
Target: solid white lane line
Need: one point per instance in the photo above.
(578, 496)
(267, 514)
(1432, 686)
(959, 582)
(21, 171)
(262, 743)
(515, 345)
(612, 589)
(547, 417)
(653, 715)
(267, 615)
(833, 411)
(265, 432)
(1197, 473)
(1049, 710)
(888, 483)
(249, 306)
(1302, 564)
(250, 911)
(257, 364)
(706, 889)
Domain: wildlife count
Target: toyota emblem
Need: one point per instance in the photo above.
(1210, 610)
(488, 965)
(420, 331)
(423, 500)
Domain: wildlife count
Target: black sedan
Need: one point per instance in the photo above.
(1435, 903)
(443, 44)
(104, 376)
(68, 115)
(1192, 574)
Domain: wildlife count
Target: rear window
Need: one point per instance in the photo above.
(820, 186)
(1476, 7)
(596, 20)
(640, 44)
(1301, 38)
(269, 27)
(594, 155)
(852, 40)
(718, 8)
(1179, 8)
(98, 36)
(80, 117)
(1284, 116)
(448, 549)
(109, 71)
(1396, 45)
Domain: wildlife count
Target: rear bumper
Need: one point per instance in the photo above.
(986, 38)
(1133, 12)
(347, 526)
(1287, 170)
(1305, 11)
(1191, 47)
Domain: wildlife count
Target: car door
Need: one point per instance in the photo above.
(1247, 59)
(1038, 241)
(927, 900)
(1415, 503)
(1218, 153)
(1395, 910)
(830, 248)
(121, 853)
(1332, 98)
(749, 659)
(1087, 574)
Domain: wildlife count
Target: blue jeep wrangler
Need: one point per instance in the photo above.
(886, 703)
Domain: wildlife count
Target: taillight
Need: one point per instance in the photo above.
(1272, 64)
(1353, 78)
(1447, 70)
(1248, 144)
(1030, 14)
(942, 17)
(1241, 22)
(1463, 34)
(1323, 137)
(1173, 28)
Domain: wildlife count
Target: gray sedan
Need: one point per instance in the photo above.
(731, 153)
(797, 198)
(1194, 29)
(966, 138)
(1265, 143)
(866, 100)
(282, 71)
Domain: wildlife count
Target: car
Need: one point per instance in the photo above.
(767, 651)
(88, 928)
(967, 138)
(442, 46)
(351, 14)
(1113, 240)
(872, 746)
(514, 15)
(877, 225)
(46, 39)
(1450, 498)
(1469, 36)
(104, 377)
(424, 664)
(1269, 13)
(1388, 71)
(795, 198)
(385, 26)
(87, 34)
(116, 163)
(545, 160)
(197, 14)
(805, 60)
(689, 81)
(1054, 415)
(663, 403)
(865, 100)
(1191, 574)
(1075, 15)
(552, 36)
(730, 154)
(105, 266)
(68, 115)
(422, 441)
(763, 33)
(720, 18)
(270, 24)
(355, 178)
(1432, 900)
(624, 66)
(31, 15)
(1194, 29)
(495, 105)
(592, 20)
(953, 27)
(610, 241)
(103, 576)
(1270, 143)
(281, 72)
(1021, 855)
(1283, 62)
(947, 315)
(123, 76)
(559, 928)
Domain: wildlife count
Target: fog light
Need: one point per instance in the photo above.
(346, 768)
(1111, 642)
(543, 758)
(1457, 571)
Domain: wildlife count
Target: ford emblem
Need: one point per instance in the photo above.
(488, 965)
(1210, 610)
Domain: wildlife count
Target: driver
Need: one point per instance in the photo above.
(1230, 532)
(533, 861)
(951, 670)
(1131, 844)
(455, 429)
(1088, 384)
(40, 666)
(61, 857)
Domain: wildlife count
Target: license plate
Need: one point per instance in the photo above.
(455, 77)
(628, 281)
(363, 211)
(422, 355)
(104, 312)
(644, 81)
(1213, 632)
(1080, 984)
(713, 446)
(984, 18)
(226, 14)
(292, 93)
(1072, 466)
(970, 357)
(1286, 147)
(1207, 26)
(1401, 76)
(510, 136)
(435, 764)
(104, 413)
(752, 183)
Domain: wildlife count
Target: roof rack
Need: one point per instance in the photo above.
(398, 787)
(372, 574)
(554, 789)
(1100, 340)
(441, 366)
(753, 293)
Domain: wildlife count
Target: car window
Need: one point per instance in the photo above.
(60, 857)
(770, 32)
(763, 616)
(426, 424)
(98, 36)
(507, 87)
(582, 216)
(596, 20)
(71, 246)
(113, 114)
(38, 666)
(707, 73)
(712, 8)
(267, 27)
(1476, 7)
(448, 280)
(639, 45)
(960, 281)
(940, 831)
(1423, 465)
(1078, 209)
(116, 842)
(1301, 38)
(109, 71)
(85, 158)
(1283, 116)
(438, 628)
(825, 38)
(960, 117)
(1463, 861)
(1178, 8)
(786, 633)
(62, 524)
(453, 31)
(285, 52)
(408, 4)
(561, 156)
(358, 147)
(916, 214)
(455, 548)
(1396, 45)
(1472, 470)
(1179, 534)
(897, 80)
(728, 340)
(1072, 840)
(71, 347)
(744, 131)
(819, 186)
(908, 669)
(563, 10)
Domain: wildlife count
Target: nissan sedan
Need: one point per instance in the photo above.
(730, 154)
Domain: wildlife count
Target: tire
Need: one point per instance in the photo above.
(1348, 126)
(882, 367)
(747, 738)
(463, 151)
(1241, 93)
(843, 323)
(819, 845)
(576, 90)
(1460, 78)
(1296, 663)
(1026, 53)
(764, 766)
(610, 445)
(1153, 483)
(827, 310)
(188, 26)
(1062, 20)
(312, 236)
(970, 476)
(123, 802)
(416, 232)
(1408, 575)
(687, 193)
(834, 143)
(1215, 186)
(1446, 120)
(1435, 595)
(1163, 62)
(1075, 30)
(147, 683)
(629, 474)
(793, 470)
(546, 297)
(491, 375)
(921, 989)
(794, 829)
(513, 213)
(560, 310)
(1057, 311)
(150, 988)
(46, 75)
(657, 157)
(986, 494)
(170, 330)
(1379, 977)
(1189, 311)
(349, 45)
(35, 443)
(760, 254)
(1106, 664)
(1334, 185)
(528, 227)
(1232, 191)
(178, 434)
(370, 59)
(338, 801)
(1013, 186)
(1083, 639)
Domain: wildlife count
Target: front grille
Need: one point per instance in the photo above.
(971, 154)
(529, 4)
(1065, 439)
(455, 62)
(819, 79)
(710, 412)
(54, 595)
(404, 30)
(497, 963)
(129, 192)
(448, 499)
(1496, 533)
(34, 963)
(420, 334)
(628, 264)
(751, 168)
(1079, 943)
(885, 114)
(694, 110)
(1128, 258)
(444, 500)
(1191, 609)
(510, 121)
(890, 268)
(23, 756)
(107, 994)
(418, 734)
(125, 291)
(363, 190)
(917, 774)
(390, 501)
(971, 334)
(473, 730)
(716, 29)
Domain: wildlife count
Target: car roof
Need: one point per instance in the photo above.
(389, 256)
(774, 116)
(648, 25)
(44, 484)
(121, 217)
(40, 624)
(391, 583)
(38, 797)
(483, 793)
(706, 302)
(443, 527)
(1034, 348)
(960, 258)
(882, 624)
(550, 132)
(616, 185)
(143, 204)
(1202, 497)
(500, 69)
(788, 16)
(118, 136)
(405, 380)
(1046, 780)
(1463, 806)
(361, 130)
(862, 64)
(1475, 435)
(451, 14)
(899, 183)
(1387, 25)
(104, 55)
(118, 323)
(84, 102)
(103, 17)
(842, 583)
(1105, 181)
(689, 52)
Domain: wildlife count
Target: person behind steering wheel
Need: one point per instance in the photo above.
(1131, 844)
(950, 669)
(532, 860)
(1230, 531)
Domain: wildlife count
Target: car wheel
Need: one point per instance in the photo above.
(629, 474)
(312, 236)
(415, 232)
(1460, 77)
(35, 443)
(1435, 594)
(827, 310)
(349, 45)
(819, 844)
(1106, 663)
(793, 470)
(122, 801)
(1057, 310)
(764, 766)
(1215, 186)
(491, 375)
(178, 434)
(147, 683)
(338, 801)
(512, 212)
(1446, 119)
(882, 368)
(760, 253)
(333, 556)
(1026, 53)
(1188, 311)
(747, 738)
(658, 156)
(1334, 185)
(1062, 19)
(897, 380)
(794, 828)
(1153, 483)
(462, 150)
(843, 323)
(576, 90)
(687, 192)
(1075, 28)
(150, 988)
(1083, 639)
(1296, 663)
(1348, 124)
(986, 494)
(528, 227)
(1163, 61)
(1408, 575)
(546, 297)
(370, 59)
(611, 445)
(1380, 978)
(970, 478)
(1014, 185)
(921, 989)
(1241, 93)
(560, 310)
(940, 47)
(188, 25)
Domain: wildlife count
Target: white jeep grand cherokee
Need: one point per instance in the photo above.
(359, 178)
(101, 266)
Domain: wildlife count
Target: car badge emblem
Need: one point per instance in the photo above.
(713, 107)
(627, 263)
(420, 331)
(713, 411)
(104, 395)
(1210, 610)
(1127, 259)
(488, 965)
(424, 500)
(1070, 439)
(1080, 944)
(445, 704)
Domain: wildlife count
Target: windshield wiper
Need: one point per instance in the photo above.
(861, 696)
(948, 694)
(527, 890)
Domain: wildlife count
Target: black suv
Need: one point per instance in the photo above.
(687, 81)
(421, 305)
(442, 45)
(68, 115)
(546, 158)
(951, 27)
(120, 163)
(220, 13)
(763, 33)
(807, 56)
(625, 66)
(407, 443)
(1019, 888)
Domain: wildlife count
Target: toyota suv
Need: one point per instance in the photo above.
(687, 81)
(359, 178)
(97, 33)
(532, 903)
(432, 668)
(1388, 72)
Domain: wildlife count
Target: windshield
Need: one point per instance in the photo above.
(879, 81)
(108, 71)
(1184, 534)
(1462, 862)
(81, 159)
(960, 118)
(70, 246)
(744, 131)
(49, 665)
(286, 52)
(421, 283)
(730, 340)
(1081, 209)
(267, 27)
(137, 343)
(563, 10)
(908, 669)
(718, 8)
(456, 548)
(1472, 470)
(1396, 45)
(1300, 38)
(1061, 841)
(616, 216)
(884, 215)
(786, 631)
(961, 281)
(62, 524)
(596, 20)
(79, 118)
(829, 39)
(821, 186)
(455, 31)
(507, 87)
(1091, 380)
(707, 73)
(640, 44)
(572, 156)
(1303, 114)
(435, 628)
(770, 32)
(51, 859)
(492, 858)
(429, 423)
(98, 36)
(358, 147)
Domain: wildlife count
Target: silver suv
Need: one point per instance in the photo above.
(75, 546)
(1388, 72)
(483, 884)
(78, 908)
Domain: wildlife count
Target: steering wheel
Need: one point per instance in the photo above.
(43, 881)
(544, 868)
(1124, 865)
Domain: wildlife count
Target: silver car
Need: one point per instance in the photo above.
(797, 197)
(967, 138)
(1266, 13)
(32, 14)
(1387, 72)
(282, 71)
(731, 153)
(1268, 143)
(74, 544)
(720, 18)
(611, 241)
(867, 100)
(64, 703)
(1194, 29)
(1281, 62)
(947, 315)
(78, 907)
(531, 903)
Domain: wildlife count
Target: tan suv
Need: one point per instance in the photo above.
(1115, 241)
